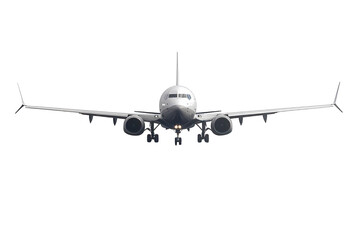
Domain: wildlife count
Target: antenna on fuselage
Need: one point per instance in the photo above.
(177, 69)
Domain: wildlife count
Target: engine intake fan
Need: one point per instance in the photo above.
(221, 125)
(134, 125)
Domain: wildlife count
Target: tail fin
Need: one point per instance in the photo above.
(177, 69)
(22, 100)
(337, 91)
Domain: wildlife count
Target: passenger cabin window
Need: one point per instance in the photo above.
(180, 95)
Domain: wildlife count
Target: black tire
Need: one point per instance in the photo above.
(176, 141)
(207, 138)
(180, 141)
(156, 139)
(148, 138)
(199, 138)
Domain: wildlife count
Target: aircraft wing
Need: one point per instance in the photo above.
(265, 112)
(146, 116)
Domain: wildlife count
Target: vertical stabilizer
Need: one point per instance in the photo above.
(177, 69)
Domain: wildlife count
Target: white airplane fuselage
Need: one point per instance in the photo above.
(177, 107)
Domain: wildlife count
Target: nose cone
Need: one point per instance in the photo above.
(178, 115)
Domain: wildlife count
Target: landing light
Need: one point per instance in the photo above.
(177, 127)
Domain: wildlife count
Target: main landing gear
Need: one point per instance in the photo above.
(203, 136)
(152, 135)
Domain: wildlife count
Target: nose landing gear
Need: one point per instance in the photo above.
(152, 135)
(178, 139)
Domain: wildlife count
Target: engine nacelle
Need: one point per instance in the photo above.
(134, 125)
(221, 125)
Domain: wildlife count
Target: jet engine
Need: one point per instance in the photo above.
(134, 125)
(221, 125)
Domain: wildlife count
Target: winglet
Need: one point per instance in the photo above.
(22, 100)
(337, 91)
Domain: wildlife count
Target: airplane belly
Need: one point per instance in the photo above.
(177, 115)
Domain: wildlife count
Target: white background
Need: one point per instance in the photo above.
(295, 177)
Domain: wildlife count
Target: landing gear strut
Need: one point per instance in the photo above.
(178, 139)
(203, 136)
(152, 134)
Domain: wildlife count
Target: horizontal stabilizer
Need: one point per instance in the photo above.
(208, 112)
(146, 112)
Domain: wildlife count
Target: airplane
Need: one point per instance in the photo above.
(178, 112)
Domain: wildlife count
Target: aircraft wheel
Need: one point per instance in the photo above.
(148, 138)
(180, 141)
(199, 138)
(156, 138)
(207, 138)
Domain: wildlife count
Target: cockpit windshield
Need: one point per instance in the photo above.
(180, 95)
